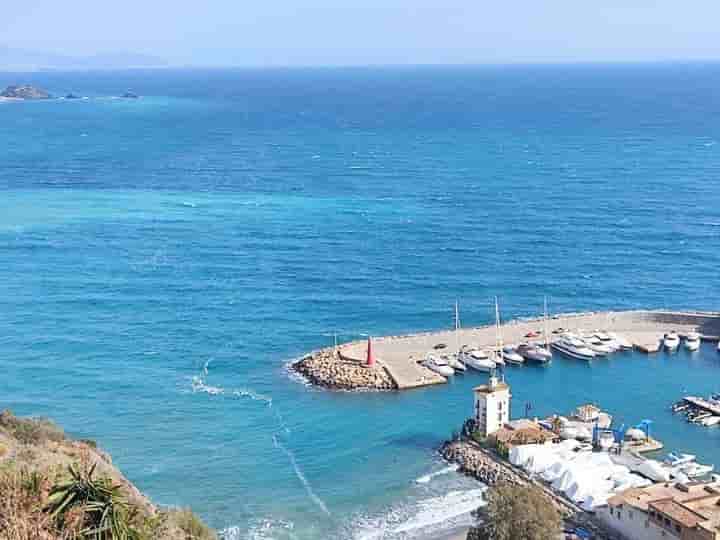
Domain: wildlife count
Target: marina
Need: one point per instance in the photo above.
(584, 461)
(412, 361)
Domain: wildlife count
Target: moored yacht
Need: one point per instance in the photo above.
(455, 363)
(696, 470)
(621, 340)
(438, 365)
(573, 347)
(534, 353)
(608, 340)
(511, 356)
(692, 341)
(596, 345)
(478, 360)
(671, 341)
(674, 459)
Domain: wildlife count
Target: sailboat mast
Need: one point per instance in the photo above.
(545, 321)
(498, 332)
(457, 327)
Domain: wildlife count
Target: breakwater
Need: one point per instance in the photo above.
(478, 463)
(398, 357)
(328, 369)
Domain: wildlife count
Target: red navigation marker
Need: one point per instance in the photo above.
(370, 357)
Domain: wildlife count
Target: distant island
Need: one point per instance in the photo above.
(24, 91)
(30, 92)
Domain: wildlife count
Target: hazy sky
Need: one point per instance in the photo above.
(348, 32)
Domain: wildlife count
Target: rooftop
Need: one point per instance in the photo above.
(691, 505)
(486, 388)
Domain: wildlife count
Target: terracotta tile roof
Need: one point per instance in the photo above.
(678, 512)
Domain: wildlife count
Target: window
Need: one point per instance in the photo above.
(630, 514)
(677, 528)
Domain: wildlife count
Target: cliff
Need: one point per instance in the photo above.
(41, 467)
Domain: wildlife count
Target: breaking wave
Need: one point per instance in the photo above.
(416, 520)
(424, 479)
(262, 529)
(198, 385)
(253, 395)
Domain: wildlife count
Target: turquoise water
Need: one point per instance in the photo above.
(232, 220)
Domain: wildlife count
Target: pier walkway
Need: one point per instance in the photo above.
(400, 354)
(403, 368)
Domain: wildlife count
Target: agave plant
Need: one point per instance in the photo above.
(105, 510)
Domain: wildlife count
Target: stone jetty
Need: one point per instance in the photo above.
(328, 369)
(476, 462)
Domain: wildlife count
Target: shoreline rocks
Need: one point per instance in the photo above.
(327, 369)
(476, 462)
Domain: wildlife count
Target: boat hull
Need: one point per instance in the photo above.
(571, 353)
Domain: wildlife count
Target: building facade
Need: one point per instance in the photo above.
(492, 406)
(665, 512)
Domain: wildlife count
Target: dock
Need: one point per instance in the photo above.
(404, 370)
(703, 404)
(648, 348)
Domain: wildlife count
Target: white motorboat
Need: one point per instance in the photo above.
(710, 421)
(511, 355)
(692, 341)
(455, 363)
(675, 460)
(534, 353)
(573, 347)
(596, 345)
(671, 341)
(696, 470)
(438, 365)
(608, 340)
(718, 346)
(478, 360)
(621, 340)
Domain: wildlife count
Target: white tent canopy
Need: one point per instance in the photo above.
(588, 478)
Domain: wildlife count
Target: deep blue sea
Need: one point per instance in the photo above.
(230, 220)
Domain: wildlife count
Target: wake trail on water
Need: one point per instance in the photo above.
(199, 384)
(298, 472)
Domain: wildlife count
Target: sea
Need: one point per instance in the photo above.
(163, 259)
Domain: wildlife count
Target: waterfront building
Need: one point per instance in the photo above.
(492, 405)
(665, 511)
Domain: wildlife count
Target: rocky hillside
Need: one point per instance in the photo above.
(52, 487)
(24, 91)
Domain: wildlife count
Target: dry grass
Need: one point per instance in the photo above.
(30, 430)
(37, 455)
(24, 495)
(186, 526)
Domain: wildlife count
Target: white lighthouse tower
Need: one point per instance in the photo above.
(492, 405)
